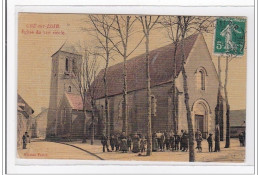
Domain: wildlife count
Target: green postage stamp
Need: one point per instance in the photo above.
(230, 36)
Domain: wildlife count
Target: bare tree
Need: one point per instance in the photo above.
(80, 82)
(123, 28)
(103, 26)
(184, 22)
(148, 22)
(218, 110)
(171, 25)
(227, 145)
(91, 72)
(189, 24)
(177, 28)
(230, 54)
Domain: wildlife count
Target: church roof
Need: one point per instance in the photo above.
(75, 101)
(161, 69)
(69, 47)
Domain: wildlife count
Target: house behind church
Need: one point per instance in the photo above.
(237, 122)
(25, 120)
(41, 123)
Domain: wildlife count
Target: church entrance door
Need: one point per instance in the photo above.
(199, 124)
(200, 110)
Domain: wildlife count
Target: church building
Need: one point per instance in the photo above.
(202, 87)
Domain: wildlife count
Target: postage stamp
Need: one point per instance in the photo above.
(230, 36)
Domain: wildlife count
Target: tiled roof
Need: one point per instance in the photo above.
(22, 103)
(161, 69)
(75, 101)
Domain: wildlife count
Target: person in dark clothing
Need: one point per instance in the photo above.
(154, 142)
(172, 142)
(177, 142)
(197, 134)
(129, 143)
(121, 137)
(181, 139)
(28, 140)
(24, 141)
(162, 139)
(210, 142)
(167, 141)
(241, 139)
(199, 140)
(185, 141)
(112, 142)
(244, 138)
(124, 147)
(142, 144)
(104, 140)
(117, 142)
(136, 143)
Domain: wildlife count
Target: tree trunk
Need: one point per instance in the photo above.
(217, 111)
(92, 121)
(84, 140)
(186, 101)
(124, 104)
(227, 106)
(174, 106)
(217, 131)
(106, 104)
(227, 130)
(149, 118)
(189, 119)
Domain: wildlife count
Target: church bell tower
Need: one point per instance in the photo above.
(63, 80)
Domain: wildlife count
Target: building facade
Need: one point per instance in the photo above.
(202, 87)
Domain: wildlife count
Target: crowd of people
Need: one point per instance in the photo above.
(161, 141)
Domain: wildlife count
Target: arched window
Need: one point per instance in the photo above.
(69, 89)
(202, 80)
(67, 65)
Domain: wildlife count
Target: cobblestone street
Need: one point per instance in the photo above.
(76, 150)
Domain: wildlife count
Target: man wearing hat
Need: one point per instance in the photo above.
(210, 141)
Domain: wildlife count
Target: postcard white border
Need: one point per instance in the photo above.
(126, 167)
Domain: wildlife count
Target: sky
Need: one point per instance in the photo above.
(41, 35)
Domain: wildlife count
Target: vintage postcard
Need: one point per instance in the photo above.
(131, 87)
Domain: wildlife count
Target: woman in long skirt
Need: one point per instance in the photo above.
(136, 144)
